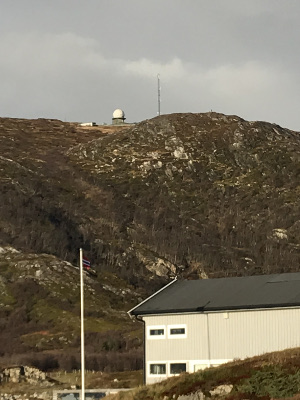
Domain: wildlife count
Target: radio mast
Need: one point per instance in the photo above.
(158, 94)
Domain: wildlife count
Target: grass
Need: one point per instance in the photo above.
(270, 376)
(273, 375)
(93, 379)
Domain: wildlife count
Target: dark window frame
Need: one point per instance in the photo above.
(179, 370)
(160, 332)
(177, 333)
(161, 365)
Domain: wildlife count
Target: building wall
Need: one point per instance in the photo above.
(214, 338)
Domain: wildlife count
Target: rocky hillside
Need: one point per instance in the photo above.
(40, 315)
(201, 194)
(193, 195)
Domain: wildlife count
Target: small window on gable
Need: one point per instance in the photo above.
(157, 369)
(177, 331)
(177, 368)
(157, 332)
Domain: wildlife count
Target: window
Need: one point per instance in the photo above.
(177, 331)
(156, 332)
(157, 369)
(177, 368)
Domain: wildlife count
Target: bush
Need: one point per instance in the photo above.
(273, 382)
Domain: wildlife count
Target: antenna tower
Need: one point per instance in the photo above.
(158, 94)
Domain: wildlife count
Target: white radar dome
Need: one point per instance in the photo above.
(118, 113)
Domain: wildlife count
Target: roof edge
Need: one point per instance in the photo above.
(202, 310)
(148, 298)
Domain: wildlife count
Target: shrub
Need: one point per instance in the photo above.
(273, 382)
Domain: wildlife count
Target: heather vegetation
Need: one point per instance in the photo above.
(182, 194)
(192, 195)
(40, 317)
(271, 376)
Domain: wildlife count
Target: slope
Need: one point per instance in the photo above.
(192, 195)
(211, 194)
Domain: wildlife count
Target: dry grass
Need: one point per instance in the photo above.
(93, 380)
(281, 365)
(97, 379)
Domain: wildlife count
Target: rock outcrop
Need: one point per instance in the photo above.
(18, 374)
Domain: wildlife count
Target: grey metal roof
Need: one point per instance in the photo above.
(259, 291)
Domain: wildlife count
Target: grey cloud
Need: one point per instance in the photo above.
(79, 60)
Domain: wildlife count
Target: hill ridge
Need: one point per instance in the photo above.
(191, 195)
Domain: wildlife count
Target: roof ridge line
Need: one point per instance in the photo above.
(154, 294)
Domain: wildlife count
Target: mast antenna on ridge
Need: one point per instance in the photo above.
(158, 94)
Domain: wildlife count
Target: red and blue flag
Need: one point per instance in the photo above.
(86, 263)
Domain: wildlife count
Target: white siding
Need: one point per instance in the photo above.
(179, 348)
(215, 338)
(247, 333)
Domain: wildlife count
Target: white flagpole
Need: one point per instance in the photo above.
(82, 328)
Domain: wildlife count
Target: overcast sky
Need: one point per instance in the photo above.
(78, 60)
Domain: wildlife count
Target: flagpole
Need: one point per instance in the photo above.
(82, 328)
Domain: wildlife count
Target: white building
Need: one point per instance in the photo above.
(118, 117)
(88, 124)
(190, 325)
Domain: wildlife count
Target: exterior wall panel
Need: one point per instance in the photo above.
(180, 348)
(247, 333)
(214, 338)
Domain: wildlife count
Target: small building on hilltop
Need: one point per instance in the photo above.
(190, 325)
(88, 124)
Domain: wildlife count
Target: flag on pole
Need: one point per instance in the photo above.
(86, 263)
